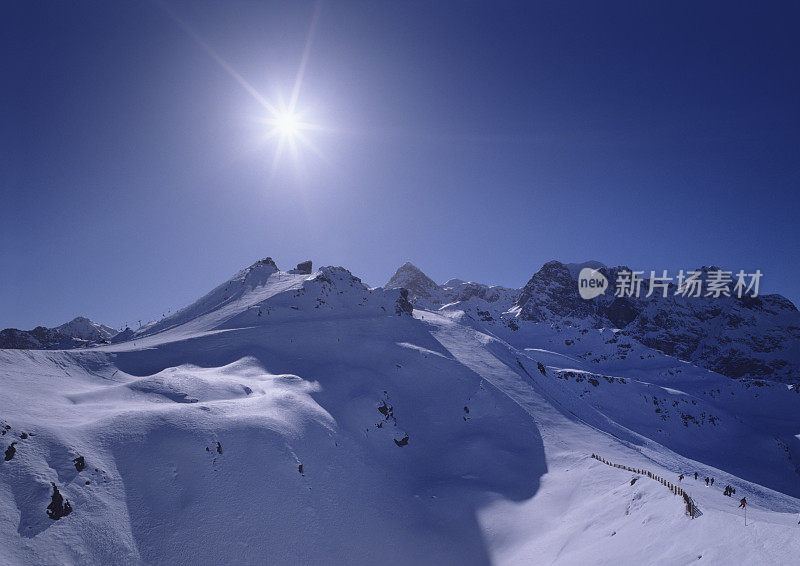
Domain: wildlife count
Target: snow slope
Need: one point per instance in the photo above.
(293, 418)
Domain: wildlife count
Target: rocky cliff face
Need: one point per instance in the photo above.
(757, 337)
(749, 337)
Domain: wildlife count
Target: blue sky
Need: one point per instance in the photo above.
(476, 140)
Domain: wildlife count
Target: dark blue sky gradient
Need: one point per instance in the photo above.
(478, 141)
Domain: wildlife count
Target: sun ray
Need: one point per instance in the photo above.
(288, 126)
(301, 71)
(250, 89)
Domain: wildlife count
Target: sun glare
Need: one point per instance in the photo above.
(288, 130)
(287, 124)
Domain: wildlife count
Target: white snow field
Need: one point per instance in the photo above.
(292, 418)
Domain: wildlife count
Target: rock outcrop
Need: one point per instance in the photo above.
(59, 507)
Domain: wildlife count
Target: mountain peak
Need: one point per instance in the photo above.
(409, 276)
(267, 263)
(86, 329)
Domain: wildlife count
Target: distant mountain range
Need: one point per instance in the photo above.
(753, 337)
(77, 333)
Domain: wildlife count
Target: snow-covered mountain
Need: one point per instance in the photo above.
(296, 417)
(755, 337)
(424, 292)
(77, 333)
(85, 329)
(410, 277)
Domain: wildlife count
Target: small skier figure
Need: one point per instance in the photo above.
(712, 481)
(695, 476)
(706, 481)
(680, 477)
(743, 503)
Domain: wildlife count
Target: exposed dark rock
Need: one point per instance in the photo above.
(622, 311)
(219, 447)
(402, 442)
(387, 411)
(403, 305)
(10, 451)
(80, 463)
(58, 507)
(553, 292)
(304, 267)
(267, 261)
(485, 316)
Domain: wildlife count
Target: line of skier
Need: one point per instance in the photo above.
(728, 491)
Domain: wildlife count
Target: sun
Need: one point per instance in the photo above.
(287, 124)
(288, 129)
